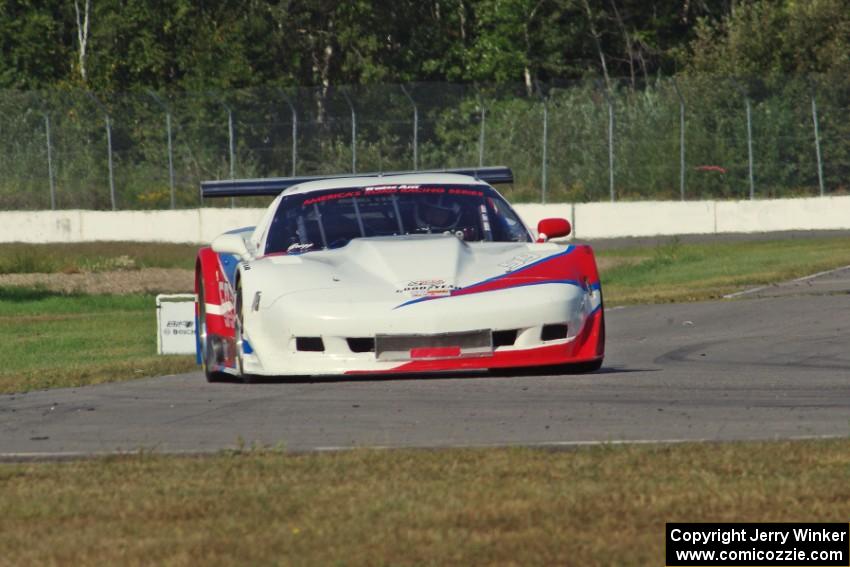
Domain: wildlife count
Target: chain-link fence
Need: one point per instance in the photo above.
(686, 138)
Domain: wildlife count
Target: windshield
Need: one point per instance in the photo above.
(332, 218)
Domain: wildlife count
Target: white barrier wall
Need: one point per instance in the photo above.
(589, 220)
(190, 225)
(645, 218)
(151, 226)
(40, 226)
(660, 218)
(820, 213)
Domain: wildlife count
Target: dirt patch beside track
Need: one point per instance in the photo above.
(155, 280)
(145, 280)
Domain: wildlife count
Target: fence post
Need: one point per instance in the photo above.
(353, 133)
(681, 139)
(483, 113)
(111, 172)
(610, 104)
(543, 172)
(750, 148)
(170, 160)
(817, 145)
(108, 147)
(50, 163)
(294, 130)
(749, 136)
(156, 99)
(415, 128)
(231, 150)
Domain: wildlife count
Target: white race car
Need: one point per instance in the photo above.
(393, 273)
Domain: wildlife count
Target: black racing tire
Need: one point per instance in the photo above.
(245, 377)
(583, 367)
(592, 365)
(207, 343)
(548, 369)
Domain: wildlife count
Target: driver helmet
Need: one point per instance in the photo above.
(437, 212)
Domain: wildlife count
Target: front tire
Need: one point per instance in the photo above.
(240, 368)
(583, 367)
(209, 346)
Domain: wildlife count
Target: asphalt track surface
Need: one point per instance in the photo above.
(772, 364)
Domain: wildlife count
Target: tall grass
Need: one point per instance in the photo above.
(20, 258)
(594, 506)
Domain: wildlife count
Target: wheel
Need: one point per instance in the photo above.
(583, 367)
(246, 378)
(593, 365)
(210, 348)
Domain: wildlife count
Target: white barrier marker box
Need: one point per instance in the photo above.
(175, 322)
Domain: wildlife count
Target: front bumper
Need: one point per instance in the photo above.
(273, 332)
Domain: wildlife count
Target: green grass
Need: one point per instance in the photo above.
(690, 272)
(18, 258)
(594, 506)
(57, 340)
(53, 340)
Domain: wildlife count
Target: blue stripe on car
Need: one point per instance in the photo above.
(524, 284)
(569, 249)
(229, 262)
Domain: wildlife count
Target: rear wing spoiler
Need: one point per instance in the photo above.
(273, 186)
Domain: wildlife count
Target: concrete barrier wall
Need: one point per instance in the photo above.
(589, 220)
(151, 226)
(190, 225)
(40, 226)
(647, 218)
(824, 213)
(655, 218)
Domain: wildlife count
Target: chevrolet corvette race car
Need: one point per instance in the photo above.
(393, 273)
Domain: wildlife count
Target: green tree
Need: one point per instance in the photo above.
(35, 46)
(768, 37)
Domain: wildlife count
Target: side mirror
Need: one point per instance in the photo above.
(230, 244)
(552, 228)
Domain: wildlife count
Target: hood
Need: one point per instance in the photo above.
(398, 267)
(435, 258)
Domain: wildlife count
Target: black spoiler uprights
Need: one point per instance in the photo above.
(273, 186)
